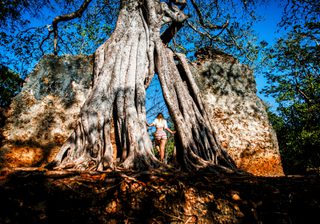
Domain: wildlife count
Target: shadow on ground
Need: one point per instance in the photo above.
(157, 196)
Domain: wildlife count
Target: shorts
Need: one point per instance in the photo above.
(160, 135)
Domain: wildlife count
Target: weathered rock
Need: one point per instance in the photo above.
(238, 116)
(42, 116)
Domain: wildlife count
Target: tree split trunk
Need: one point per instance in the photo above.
(124, 66)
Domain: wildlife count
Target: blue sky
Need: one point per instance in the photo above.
(267, 30)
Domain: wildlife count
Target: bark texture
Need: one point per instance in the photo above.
(124, 65)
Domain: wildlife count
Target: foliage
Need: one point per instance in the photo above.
(298, 142)
(297, 11)
(224, 25)
(11, 12)
(294, 81)
(10, 84)
(25, 31)
(25, 25)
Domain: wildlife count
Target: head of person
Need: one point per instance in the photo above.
(160, 116)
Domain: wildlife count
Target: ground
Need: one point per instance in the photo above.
(34, 195)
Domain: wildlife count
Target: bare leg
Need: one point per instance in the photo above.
(158, 145)
(162, 147)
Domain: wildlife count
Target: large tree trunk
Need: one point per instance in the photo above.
(124, 66)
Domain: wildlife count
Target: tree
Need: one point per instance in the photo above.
(123, 66)
(10, 84)
(294, 81)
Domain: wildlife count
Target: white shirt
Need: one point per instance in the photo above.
(160, 123)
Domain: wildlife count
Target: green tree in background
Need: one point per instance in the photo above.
(294, 81)
(10, 84)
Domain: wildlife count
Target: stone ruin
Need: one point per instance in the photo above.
(237, 114)
(43, 115)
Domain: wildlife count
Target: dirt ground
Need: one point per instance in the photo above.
(157, 196)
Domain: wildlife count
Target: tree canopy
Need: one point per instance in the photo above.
(27, 28)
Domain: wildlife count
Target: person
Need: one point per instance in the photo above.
(160, 135)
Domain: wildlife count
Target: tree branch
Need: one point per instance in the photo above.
(64, 18)
(240, 48)
(46, 38)
(177, 16)
(169, 33)
(201, 20)
(206, 34)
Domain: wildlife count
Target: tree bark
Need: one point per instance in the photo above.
(124, 65)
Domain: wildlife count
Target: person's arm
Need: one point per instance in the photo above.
(169, 130)
(149, 125)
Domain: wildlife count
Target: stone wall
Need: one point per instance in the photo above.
(41, 117)
(238, 116)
